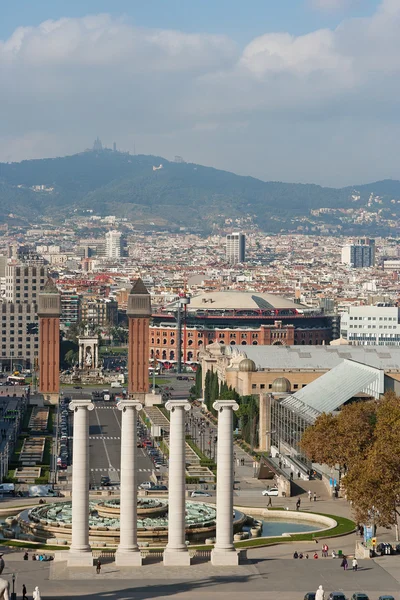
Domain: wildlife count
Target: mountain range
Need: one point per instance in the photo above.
(152, 190)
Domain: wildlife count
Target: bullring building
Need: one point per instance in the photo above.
(237, 319)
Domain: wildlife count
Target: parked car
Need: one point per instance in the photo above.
(200, 494)
(337, 596)
(359, 596)
(386, 597)
(271, 492)
(160, 488)
(309, 596)
(146, 485)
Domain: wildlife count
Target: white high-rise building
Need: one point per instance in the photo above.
(235, 248)
(371, 326)
(113, 244)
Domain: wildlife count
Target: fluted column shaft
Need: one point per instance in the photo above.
(176, 552)
(128, 552)
(80, 478)
(224, 551)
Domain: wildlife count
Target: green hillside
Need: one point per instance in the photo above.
(179, 194)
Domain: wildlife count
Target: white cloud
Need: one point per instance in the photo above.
(67, 81)
(331, 4)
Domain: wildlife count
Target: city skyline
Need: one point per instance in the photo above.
(302, 95)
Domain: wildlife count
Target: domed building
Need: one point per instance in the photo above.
(281, 385)
(236, 318)
(247, 366)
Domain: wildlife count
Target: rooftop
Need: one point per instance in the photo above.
(240, 300)
(318, 357)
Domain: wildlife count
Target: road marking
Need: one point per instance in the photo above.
(104, 443)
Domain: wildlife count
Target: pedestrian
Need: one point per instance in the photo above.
(295, 555)
(306, 555)
(315, 496)
(320, 594)
(98, 566)
(354, 564)
(309, 495)
(344, 563)
(36, 594)
(315, 554)
(24, 596)
(269, 501)
(298, 503)
(2, 563)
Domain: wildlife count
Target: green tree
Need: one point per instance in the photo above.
(71, 357)
(207, 390)
(198, 382)
(364, 440)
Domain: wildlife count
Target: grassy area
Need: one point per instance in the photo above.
(160, 381)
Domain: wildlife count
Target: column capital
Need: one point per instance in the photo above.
(219, 405)
(173, 404)
(80, 403)
(129, 403)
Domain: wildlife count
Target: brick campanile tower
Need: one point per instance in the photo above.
(138, 313)
(49, 311)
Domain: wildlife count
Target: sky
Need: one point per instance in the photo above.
(284, 90)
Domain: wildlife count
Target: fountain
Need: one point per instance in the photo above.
(52, 522)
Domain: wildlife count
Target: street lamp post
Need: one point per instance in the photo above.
(13, 594)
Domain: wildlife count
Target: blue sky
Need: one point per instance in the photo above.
(237, 18)
(289, 90)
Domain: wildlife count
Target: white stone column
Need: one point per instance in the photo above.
(176, 552)
(224, 552)
(128, 554)
(80, 553)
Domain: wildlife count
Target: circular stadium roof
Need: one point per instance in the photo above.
(240, 301)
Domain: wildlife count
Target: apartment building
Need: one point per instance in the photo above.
(371, 326)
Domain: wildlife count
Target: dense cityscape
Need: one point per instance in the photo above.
(200, 321)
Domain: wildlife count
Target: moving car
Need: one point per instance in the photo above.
(271, 492)
(200, 494)
(105, 480)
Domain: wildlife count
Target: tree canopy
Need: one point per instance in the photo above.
(364, 440)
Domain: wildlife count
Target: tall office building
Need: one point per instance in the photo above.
(113, 244)
(235, 248)
(25, 278)
(359, 255)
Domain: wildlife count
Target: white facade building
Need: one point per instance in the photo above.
(235, 248)
(371, 325)
(113, 244)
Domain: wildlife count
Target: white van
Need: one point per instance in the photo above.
(116, 384)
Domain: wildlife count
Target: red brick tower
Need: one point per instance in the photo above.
(139, 313)
(49, 311)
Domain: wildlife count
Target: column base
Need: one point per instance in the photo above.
(128, 558)
(224, 558)
(176, 558)
(77, 558)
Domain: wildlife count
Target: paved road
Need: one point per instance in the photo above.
(105, 446)
(265, 577)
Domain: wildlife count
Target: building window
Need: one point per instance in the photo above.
(296, 386)
(253, 386)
